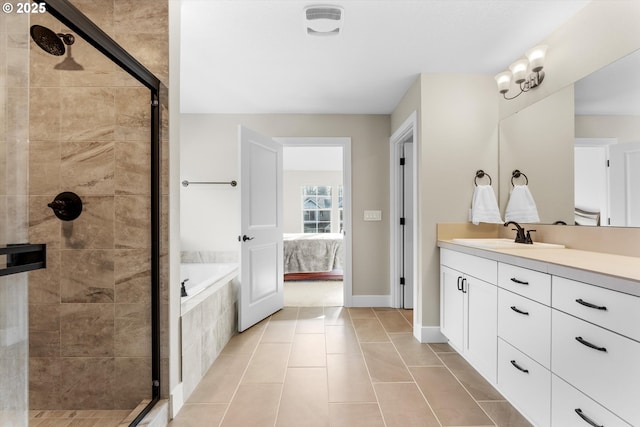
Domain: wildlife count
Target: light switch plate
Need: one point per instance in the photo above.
(373, 215)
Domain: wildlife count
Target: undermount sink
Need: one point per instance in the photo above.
(504, 244)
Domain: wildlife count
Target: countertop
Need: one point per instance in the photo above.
(616, 272)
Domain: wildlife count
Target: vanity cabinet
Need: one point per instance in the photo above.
(564, 352)
(469, 308)
(591, 345)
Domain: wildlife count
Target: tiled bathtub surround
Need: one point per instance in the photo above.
(206, 329)
(89, 311)
(14, 156)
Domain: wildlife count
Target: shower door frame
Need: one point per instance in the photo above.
(73, 18)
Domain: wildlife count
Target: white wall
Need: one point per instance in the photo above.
(293, 181)
(210, 214)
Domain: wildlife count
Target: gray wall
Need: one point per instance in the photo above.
(210, 217)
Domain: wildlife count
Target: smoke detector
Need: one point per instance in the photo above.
(323, 20)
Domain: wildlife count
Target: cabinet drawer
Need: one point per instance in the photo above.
(481, 268)
(608, 373)
(569, 406)
(528, 283)
(610, 309)
(528, 391)
(526, 325)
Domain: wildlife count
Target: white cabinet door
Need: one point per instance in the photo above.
(452, 306)
(482, 326)
(468, 318)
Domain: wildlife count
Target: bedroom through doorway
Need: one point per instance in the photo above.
(316, 219)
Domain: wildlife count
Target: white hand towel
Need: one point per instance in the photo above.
(484, 207)
(521, 207)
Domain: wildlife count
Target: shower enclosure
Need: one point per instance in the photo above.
(81, 174)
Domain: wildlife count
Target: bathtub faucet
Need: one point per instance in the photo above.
(183, 290)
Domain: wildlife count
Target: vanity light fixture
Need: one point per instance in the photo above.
(533, 64)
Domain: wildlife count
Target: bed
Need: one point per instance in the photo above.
(313, 256)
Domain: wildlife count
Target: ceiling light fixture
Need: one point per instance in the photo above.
(323, 20)
(518, 72)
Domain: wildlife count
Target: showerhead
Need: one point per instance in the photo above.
(50, 41)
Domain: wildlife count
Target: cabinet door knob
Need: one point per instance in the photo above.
(587, 419)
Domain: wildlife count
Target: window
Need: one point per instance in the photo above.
(316, 209)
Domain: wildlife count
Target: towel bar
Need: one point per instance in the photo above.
(186, 183)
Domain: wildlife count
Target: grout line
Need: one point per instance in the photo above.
(463, 386)
(244, 372)
(435, 416)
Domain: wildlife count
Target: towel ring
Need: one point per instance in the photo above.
(481, 174)
(516, 174)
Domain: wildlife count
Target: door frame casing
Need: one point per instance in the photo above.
(409, 126)
(345, 144)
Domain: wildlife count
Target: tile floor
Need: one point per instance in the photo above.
(342, 367)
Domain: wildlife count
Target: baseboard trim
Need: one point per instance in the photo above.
(176, 401)
(371, 301)
(429, 334)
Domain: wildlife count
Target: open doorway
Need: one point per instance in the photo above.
(316, 221)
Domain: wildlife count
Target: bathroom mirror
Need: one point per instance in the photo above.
(562, 143)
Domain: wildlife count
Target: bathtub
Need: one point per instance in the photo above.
(204, 279)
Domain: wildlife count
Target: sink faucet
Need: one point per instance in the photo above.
(520, 236)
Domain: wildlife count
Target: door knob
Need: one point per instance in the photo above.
(245, 238)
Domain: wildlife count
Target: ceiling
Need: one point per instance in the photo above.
(254, 56)
(613, 90)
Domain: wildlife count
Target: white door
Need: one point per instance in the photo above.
(625, 184)
(261, 268)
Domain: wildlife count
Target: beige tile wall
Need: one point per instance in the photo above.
(14, 133)
(89, 311)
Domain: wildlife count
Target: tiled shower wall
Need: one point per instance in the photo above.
(14, 134)
(89, 311)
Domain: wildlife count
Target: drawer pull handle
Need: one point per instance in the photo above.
(520, 282)
(588, 304)
(518, 367)
(464, 282)
(459, 283)
(588, 344)
(514, 308)
(587, 419)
